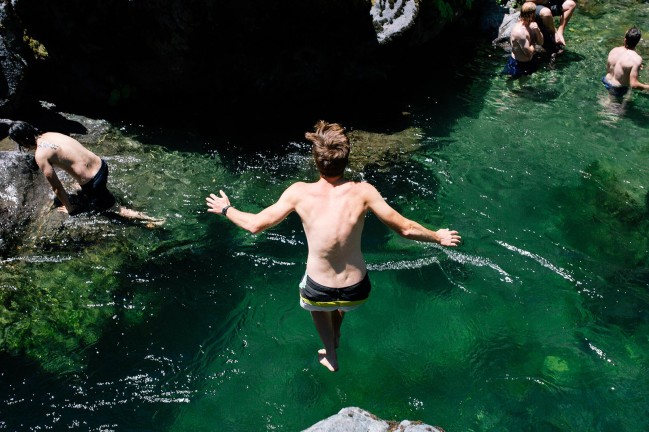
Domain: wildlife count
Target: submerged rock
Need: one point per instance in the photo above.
(380, 149)
(353, 419)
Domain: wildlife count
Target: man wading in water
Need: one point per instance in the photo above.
(333, 213)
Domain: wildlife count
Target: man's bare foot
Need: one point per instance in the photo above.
(331, 364)
(559, 40)
(153, 223)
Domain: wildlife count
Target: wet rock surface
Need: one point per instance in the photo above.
(353, 419)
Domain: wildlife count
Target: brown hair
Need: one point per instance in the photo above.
(330, 148)
(528, 11)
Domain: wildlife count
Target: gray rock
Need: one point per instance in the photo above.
(24, 194)
(354, 419)
(505, 30)
(391, 19)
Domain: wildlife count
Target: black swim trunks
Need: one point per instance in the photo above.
(555, 6)
(316, 297)
(99, 198)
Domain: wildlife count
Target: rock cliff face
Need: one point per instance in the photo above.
(13, 60)
(223, 58)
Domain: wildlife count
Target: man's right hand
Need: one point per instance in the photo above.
(72, 212)
(215, 203)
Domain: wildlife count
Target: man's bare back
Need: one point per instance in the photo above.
(333, 215)
(61, 151)
(523, 38)
(621, 64)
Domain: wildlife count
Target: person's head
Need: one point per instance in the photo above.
(528, 12)
(23, 134)
(632, 37)
(330, 148)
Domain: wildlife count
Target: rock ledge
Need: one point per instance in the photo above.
(353, 419)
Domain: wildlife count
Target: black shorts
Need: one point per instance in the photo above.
(99, 198)
(316, 297)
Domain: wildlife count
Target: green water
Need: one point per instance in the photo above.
(539, 321)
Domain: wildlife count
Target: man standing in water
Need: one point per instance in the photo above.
(623, 66)
(525, 35)
(332, 211)
(56, 150)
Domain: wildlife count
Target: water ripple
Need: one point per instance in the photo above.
(477, 261)
(544, 262)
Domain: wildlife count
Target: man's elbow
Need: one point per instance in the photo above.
(253, 228)
(408, 232)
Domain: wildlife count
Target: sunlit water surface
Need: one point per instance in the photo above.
(539, 321)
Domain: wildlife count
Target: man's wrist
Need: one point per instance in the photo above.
(224, 210)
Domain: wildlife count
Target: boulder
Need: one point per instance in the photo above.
(505, 31)
(23, 193)
(353, 419)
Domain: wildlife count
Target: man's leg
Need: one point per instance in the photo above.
(324, 324)
(568, 8)
(547, 20)
(337, 321)
(135, 215)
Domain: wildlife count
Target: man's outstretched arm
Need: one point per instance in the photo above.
(406, 227)
(253, 222)
(634, 79)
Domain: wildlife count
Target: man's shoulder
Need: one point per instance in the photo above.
(628, 58)
(520, 31)
(364, 188)
(297, 189)
(637, 57)
(298, 186)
